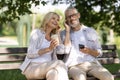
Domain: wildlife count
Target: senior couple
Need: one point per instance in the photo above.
(79, 43)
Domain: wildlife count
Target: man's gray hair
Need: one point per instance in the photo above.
(69, 8)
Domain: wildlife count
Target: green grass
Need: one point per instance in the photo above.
(113, 68)
(16, 74)
(11, 75)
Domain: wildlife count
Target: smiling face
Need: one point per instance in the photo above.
(53, 22)
(72, 17)
(50, 21)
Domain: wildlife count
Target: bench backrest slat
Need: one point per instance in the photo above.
(13, 50)
(11, 58)
(109, 47)
(109, 55)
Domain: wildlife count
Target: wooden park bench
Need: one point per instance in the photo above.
(11, 58)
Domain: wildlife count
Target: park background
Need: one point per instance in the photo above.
(15, 32)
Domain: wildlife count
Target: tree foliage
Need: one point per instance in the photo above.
(12, 9)
(107, 16)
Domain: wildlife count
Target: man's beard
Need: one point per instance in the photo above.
(74, 25)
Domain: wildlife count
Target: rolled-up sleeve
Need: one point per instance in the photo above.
(34, 45)
(100, 52)
(61, 49)
(98, 45)
(67, 49)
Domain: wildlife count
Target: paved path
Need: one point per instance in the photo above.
(7, 41)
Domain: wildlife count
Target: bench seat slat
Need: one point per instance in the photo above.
(116, 75)
(91, 78)
(9, 58)
(12, 60)
(109, 60)
(6, 66)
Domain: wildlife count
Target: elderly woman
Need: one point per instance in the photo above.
(41, 61)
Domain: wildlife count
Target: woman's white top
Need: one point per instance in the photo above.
(37, 42)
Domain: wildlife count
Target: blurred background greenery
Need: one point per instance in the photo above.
(17, 22)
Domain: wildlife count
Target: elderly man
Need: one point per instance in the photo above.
(82, 47)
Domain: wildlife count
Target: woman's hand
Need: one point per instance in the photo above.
(53, 44)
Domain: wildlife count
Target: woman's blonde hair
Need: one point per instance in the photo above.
(47, 18)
